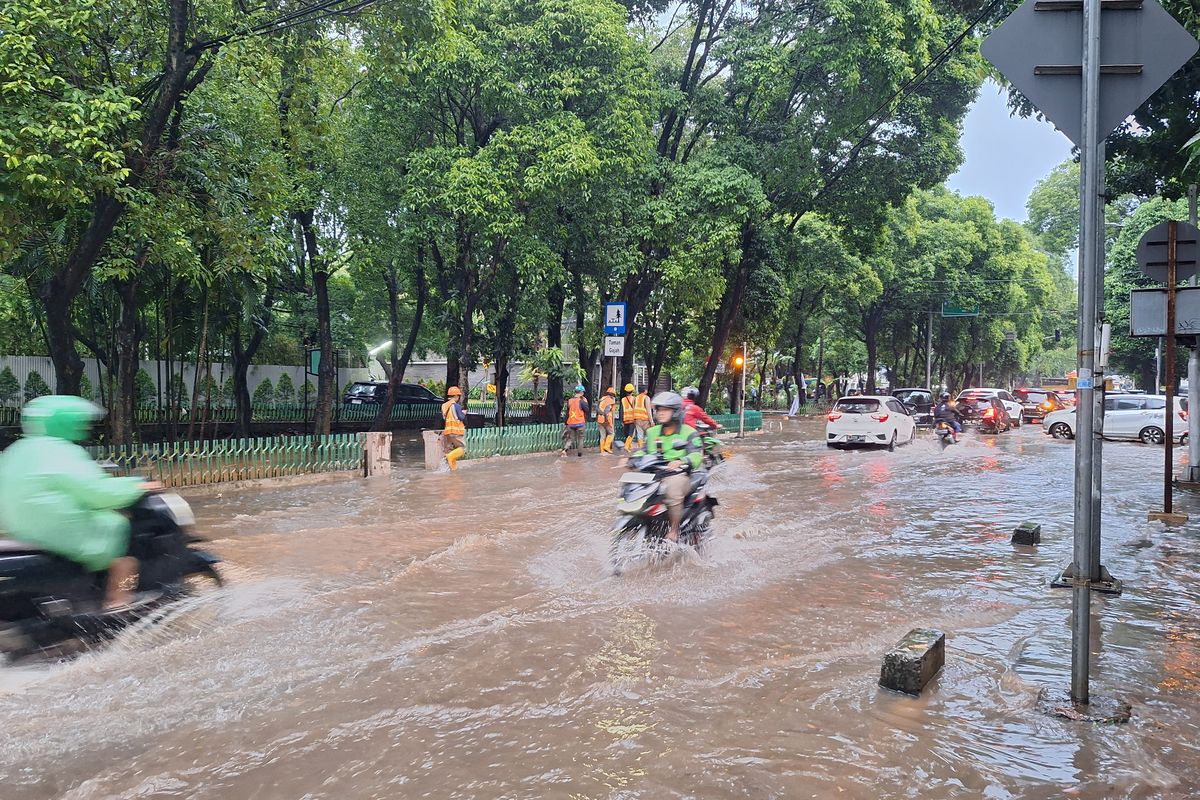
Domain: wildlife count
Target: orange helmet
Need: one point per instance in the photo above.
(454, 391)
(610, 390)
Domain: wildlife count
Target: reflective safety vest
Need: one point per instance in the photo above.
(575, 415)
(454, 425)
(643, 405)
(604, 410)
(634, 410)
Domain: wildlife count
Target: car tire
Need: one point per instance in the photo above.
(1017, 421)
(1061, 430)
(1152, 435)
(892, 444)
(913, 436)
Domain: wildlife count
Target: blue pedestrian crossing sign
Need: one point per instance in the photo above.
(614, 319)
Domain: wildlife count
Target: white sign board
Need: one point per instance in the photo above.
(1010, 336)
(615, 318)
(614, 346)
(1148, 312)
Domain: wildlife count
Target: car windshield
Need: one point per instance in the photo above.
(913, 396)
(361, 390)
(858, 406)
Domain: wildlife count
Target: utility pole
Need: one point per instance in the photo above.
(1193, 474)
(742, 403)
(929, 354)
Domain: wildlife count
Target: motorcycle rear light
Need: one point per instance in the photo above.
(834, 416)
(656, 510)
(989, 413)
(1183, 415)
(880, 417)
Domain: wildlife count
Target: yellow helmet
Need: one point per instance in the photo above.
(629, 387)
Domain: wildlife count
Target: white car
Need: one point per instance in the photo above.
(1136, 417)
(1010, 403)
(869, 420)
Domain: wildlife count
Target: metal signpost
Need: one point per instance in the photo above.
(1193, 473)
(615, 325)
(1167, 253)
(1053, 53)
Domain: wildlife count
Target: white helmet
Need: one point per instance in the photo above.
(672, 401)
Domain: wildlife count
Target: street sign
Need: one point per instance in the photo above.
(1148, 312)
(614, 346)
(951, 310)
(1152, 251)
(1039, 50)
(314, 362)
(615, 319)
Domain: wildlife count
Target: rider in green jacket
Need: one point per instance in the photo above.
(681, 446)
(53, 495)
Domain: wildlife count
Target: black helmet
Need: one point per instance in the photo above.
(691, 393)
(945, 395)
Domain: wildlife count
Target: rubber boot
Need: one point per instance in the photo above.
(453, 456)
(628, 444)
(608, 443)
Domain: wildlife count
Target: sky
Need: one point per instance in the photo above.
(1005, 156)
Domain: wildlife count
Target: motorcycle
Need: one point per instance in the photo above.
(644, 511)
(992, 421)
(47, 601)
(945, 433)
(715, 451)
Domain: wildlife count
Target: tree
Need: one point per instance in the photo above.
(144, 391)
(285, 391)
(264, 395)
(10, 387)
(35, 386)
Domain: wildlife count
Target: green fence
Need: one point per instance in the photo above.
(519, 439)
(754, 421)
(201, 463)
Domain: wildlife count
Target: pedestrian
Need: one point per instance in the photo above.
(577, 414)
(454, 431)
(629, 413)
(643, 418)
(605, 418)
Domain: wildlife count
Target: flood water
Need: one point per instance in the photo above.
(457, 636)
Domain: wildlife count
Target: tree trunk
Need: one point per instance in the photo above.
(121, 411)
(201, 357)
(501, 388)
(400, 361)
(730, 305)
(557, 297)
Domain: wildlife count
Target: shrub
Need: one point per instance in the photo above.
(210, 391)
(227, 392)
(264, 395)
(285, 390)
(35, 386)
(310, 391)
(85, 388)
(144, 392)
(10, 387)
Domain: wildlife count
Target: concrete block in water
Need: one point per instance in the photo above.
(914, 661)
(1027, 533)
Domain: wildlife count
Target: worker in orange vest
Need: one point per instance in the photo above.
(635, 413)
(454, 432)
(605, 418)
(577, 414)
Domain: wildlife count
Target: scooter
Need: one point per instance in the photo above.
(644, 511)
(945, 433)
(47, 601)
(715, 451)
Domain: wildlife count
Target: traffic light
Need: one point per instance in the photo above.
(738, 361)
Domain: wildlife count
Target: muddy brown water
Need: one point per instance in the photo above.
(457, 636)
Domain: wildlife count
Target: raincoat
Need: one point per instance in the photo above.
(53, 495)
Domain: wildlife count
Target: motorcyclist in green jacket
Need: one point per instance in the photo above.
(681, 446)
(53, 495)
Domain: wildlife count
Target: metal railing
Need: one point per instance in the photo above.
(208, 462)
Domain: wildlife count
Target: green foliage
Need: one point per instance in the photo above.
(210, 390)
(264, 393)
(144, 392)
(35, 386)
(85, 388)
(285, 390)
(10, 387)
(227, 399)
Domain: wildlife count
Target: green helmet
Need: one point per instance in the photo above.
(61, 416)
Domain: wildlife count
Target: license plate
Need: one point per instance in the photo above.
(356, 402)
(636, 477)
(856, 438)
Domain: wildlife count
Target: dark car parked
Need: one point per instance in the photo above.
(920, 403)
(1037, 403)
(374, 392)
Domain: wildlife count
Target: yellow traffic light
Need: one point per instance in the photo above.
(738, 361)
